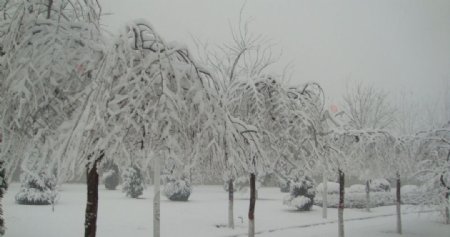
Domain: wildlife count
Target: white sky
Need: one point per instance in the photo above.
(397, 45)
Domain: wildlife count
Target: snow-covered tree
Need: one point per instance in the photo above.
(154, 105)
(432, 149)
(51, 50)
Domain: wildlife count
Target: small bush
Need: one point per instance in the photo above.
(37, 189)
(302, 194)
(285, 185)
(133, 182)
(178, 190)
(111, 176)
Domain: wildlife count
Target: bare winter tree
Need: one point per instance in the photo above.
(366, 107)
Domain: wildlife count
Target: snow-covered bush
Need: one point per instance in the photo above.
(358, 199)
(285, 185)
(302, 194)
(380, 185)
(133, 182)
(409, 189)
(37, 189)
(111, 176)
(357, 188)
(178, 190)
(332, 188)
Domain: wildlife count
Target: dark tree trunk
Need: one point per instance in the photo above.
(49, 10)
(90, 224)
(341, 203)
(447, 211)
(251, 211)
(446, 195)
(230, 204)
(399, 203)
(3, 187)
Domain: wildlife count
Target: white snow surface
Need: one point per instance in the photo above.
(121, 216)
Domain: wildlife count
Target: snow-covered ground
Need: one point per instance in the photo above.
(203, 216)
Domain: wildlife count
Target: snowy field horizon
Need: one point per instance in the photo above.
(204, 215)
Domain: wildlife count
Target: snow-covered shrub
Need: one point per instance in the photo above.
(37, 189)
(177, 190)
(358, 199)
(302, 194)
(380, 185)
(332, 188)
(111, 176)
(357, 188)
(409, 189)
(285, 185)
(133, 182)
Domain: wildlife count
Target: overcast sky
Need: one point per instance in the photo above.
(395, 45)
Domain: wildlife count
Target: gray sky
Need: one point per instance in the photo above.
(397, 45)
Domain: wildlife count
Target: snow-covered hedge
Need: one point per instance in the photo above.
(357, 188)
(37, 189)
(178, 190)
(302, 194)
(380, 185)
(409, 189)
(332, 188)
(133, 182)
(358, 199)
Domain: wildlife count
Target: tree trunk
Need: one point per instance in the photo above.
(399, 211)
(230, 204)
(368, 195)
(3, 187)
(324, 196)
(2, 221)
(447, 211)
(341, 203)
(156, 199)
(251, 211)
(90, 224)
